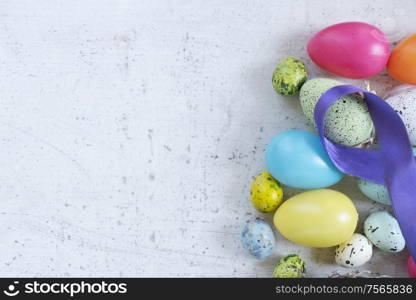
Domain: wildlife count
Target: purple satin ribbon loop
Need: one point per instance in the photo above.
(392, 165)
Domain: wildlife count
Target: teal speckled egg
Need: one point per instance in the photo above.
(374, 191)
(347, 121)
(289, 76)
(383, 230)
(291, 266)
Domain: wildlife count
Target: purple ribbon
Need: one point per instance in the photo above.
(392, 165)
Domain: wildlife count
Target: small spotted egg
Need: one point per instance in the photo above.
(374, 191)
(258, 239)
(266, 193)
(354, 252)
(384, 232)
(289, 76)
(347, 121)
(404, 103)
(291, 266)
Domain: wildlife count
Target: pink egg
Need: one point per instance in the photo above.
(351, 49)
(411, 267)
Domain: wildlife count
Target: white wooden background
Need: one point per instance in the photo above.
(130, 131)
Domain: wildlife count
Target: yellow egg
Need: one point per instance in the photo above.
(317, 218)
(266, 193)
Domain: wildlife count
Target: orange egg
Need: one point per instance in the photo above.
(402, 62)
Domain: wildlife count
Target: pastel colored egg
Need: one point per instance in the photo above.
(289, 76)
(402, 63)
(411, 267)
(374, 191)
(297, 158)
(352, 49)
(383, 230)
(258, 239)
(347, 121)
(291, 266)
(404, 103)
(354, 252)
(318, 218)
(266, 193)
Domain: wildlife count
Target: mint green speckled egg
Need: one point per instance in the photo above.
(383, 230)
(347, 121)
(374, 191)
(289, 76)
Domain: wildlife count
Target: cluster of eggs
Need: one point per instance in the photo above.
(322, 217)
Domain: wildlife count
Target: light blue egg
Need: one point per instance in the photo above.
(258, 239)
(383, 230)
(375, 191)
(297, 158)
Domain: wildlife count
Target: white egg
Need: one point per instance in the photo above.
(354, 252)
(404, 103)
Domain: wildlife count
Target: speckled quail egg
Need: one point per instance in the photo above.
(291, 266)
(347, 121)
(266, 193)
(383, 230)
(374, 191)
(258, 239)
(404, 103)
(289, 76)
(354, 252)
